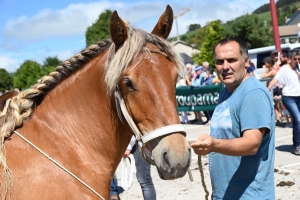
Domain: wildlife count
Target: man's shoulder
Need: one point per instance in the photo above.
(254, 83)
(252, 86)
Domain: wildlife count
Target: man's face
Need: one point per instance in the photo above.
(283, 59)
(295, 60)
(205, 66)
(230, 65)
(298, 58)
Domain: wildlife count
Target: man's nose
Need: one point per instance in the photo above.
(226, 65)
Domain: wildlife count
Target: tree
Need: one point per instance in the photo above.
(215, 33)
(49, 65)
(198, 39)
(253, 30)
(27, 74)
(6, 81)
(99, 30)
(193, 27)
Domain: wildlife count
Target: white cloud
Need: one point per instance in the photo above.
(75, 19)
(9, 64)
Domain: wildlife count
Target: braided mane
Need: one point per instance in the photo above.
(22, 105)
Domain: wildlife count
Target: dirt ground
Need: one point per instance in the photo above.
(287, 173)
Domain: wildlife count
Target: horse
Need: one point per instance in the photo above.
(64, 137)
(5, 96)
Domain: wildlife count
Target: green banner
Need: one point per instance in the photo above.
(203, 98)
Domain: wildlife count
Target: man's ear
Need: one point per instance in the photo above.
(247, 62)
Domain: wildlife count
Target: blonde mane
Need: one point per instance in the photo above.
(22, 106)
(135, 43)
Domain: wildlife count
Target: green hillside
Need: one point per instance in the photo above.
(285, 10)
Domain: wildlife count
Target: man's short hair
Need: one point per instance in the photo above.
(241, 43)
(275, 51)
(188, 65)
(292, 54)
(205, 63)
(284, 54)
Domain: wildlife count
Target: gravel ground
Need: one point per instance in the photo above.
(287, 173)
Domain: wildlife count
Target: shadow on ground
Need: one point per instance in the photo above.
(284, 148)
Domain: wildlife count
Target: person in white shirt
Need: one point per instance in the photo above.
(289, 76)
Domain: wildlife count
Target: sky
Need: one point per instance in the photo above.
(35, 29)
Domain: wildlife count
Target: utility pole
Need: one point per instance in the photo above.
(275, 26)
(178, 15)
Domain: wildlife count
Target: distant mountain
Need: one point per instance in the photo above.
(279, 4)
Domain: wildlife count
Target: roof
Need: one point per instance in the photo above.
(186, 59)
(288, 30)
(182, 47)
(295, 19)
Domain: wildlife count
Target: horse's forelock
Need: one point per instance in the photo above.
(137, 39)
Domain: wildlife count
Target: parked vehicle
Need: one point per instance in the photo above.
(257, 55)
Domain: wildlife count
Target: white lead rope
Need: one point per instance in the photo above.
(55, 162)
(127, 181)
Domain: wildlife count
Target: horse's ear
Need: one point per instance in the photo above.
(164, 24)
(118, 30)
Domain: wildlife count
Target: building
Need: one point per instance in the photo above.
(185, 51)
(290, 31)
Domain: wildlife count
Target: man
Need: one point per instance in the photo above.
(241, 142)
(189, 74)
(209, 76)
(274, 56)
(298, 59)
(197, 82)
(205, 66)
(283, 59)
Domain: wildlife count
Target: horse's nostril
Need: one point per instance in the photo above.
(165, 156)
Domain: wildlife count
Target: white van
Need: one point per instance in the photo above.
(257, 55)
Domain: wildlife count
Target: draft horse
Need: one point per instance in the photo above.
(65, 136)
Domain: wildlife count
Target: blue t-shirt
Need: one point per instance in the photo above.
(250, 106)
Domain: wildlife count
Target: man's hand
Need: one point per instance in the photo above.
(203, 145)
(127, 153)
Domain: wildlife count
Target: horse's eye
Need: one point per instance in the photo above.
(128, 83)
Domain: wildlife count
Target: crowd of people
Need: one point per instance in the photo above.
(197, 77)
(284, 85)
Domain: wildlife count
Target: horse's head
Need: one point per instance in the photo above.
(148, 87)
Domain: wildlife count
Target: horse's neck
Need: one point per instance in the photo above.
(80, 114)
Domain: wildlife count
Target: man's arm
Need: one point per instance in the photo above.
(243, 146)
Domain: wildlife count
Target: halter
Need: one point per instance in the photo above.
(143, 139)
